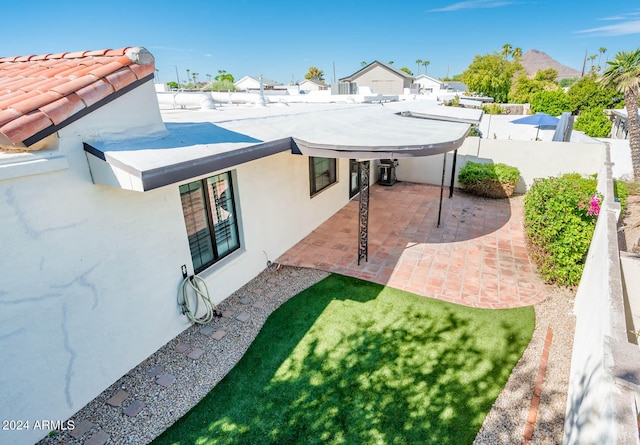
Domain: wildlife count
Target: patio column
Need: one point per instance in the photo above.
(363, 210)
(444, 168)
(453, 172)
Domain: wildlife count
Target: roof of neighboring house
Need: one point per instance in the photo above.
(265, 81)
(314, 81)
(374, 64)
(433, 79)
(41, 94)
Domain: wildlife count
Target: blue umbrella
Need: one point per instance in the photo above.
(538, 119)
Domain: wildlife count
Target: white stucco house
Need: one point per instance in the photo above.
(313, 85)
(429, 85)
(107, 201)
(248, 83)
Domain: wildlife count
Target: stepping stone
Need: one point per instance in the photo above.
(196, 353)
(207, 330)
(181, 348)
(259, 304)
(243, 316)
(257, 291)
(166, 380)
(155, 370)
(117, 398)
(81, 428)
(99, 438)
(245, 300)
(270, 294)
(273, 281)
(219, 334)
(227, 314)
(133, 409)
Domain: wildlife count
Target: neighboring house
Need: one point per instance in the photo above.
(248, 83)
(106, 203)
(456, 87)
(619, 125)
(429, 85)
(313, 85)
(381, 78)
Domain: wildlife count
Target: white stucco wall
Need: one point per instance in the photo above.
(534, 159)
(89, 274)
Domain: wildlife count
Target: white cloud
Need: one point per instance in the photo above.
(619, 29)
(473, 4)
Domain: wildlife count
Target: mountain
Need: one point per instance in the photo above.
(534, 60)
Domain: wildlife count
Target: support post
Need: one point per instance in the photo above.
(363, 211)
(444, 167)
(453, 172)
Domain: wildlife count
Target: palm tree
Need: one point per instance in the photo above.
(418, 62)
(363, 63)
(517, 52)
(623, 74)
(602, 50)
(426, 63)
(507, 50)
(188, 77)
(591, 58)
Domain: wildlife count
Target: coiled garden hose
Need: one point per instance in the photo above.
(200, 294)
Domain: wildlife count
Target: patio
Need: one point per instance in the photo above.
(477, 257)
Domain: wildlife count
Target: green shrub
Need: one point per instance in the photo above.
(594, 123)
(489, 180)
(558, 226)
(494, 108)
(550, 102)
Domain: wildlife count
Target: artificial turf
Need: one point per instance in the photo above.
(352, 362)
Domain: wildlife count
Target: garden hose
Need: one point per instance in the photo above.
(200, 294)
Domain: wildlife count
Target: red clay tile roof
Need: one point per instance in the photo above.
(41, 94)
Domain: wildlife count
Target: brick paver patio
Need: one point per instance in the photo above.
(477, 257)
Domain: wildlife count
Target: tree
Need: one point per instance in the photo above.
(594, 123)
(591, 58)
(517, 53)
(173, 85)
(314, 74)
(390, 62)
(406, 70)
(623, 74)
(550, 102)
(491, 75)
(601, 51)
(426, 63)
(587, 93)
(523, 88)
(507, 50)
(418, 62)
(363, 63)
(223, 76)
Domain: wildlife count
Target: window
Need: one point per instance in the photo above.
(210, 217)
(322, 173)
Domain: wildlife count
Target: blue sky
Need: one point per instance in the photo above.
(283, 39)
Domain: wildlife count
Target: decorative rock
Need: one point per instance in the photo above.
(118, 398)
(196, 353)
(218, 335)
(181, 348)
(207, 330)
(133, 409)
(243, 316)
(81, 428)
(227, 314)
(166, 380)
(259, 304)
(99, 438)
(245, 300)
(155, 370)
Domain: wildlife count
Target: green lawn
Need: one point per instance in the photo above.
(352, 362)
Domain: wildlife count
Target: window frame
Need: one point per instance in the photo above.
(313, 175)
(209, 207)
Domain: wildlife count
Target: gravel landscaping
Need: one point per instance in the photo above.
(144, 402)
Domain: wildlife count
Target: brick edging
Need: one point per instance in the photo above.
(537, 390)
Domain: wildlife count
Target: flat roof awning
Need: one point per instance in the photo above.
(197, 143)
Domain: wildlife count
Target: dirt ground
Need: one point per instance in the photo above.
(629, 227)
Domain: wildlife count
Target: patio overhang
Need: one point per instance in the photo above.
(187, 150)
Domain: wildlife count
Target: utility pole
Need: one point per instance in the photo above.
(584, 64)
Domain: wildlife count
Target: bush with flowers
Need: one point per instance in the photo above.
(560, 217)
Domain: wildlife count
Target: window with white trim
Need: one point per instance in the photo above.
(210, 218)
